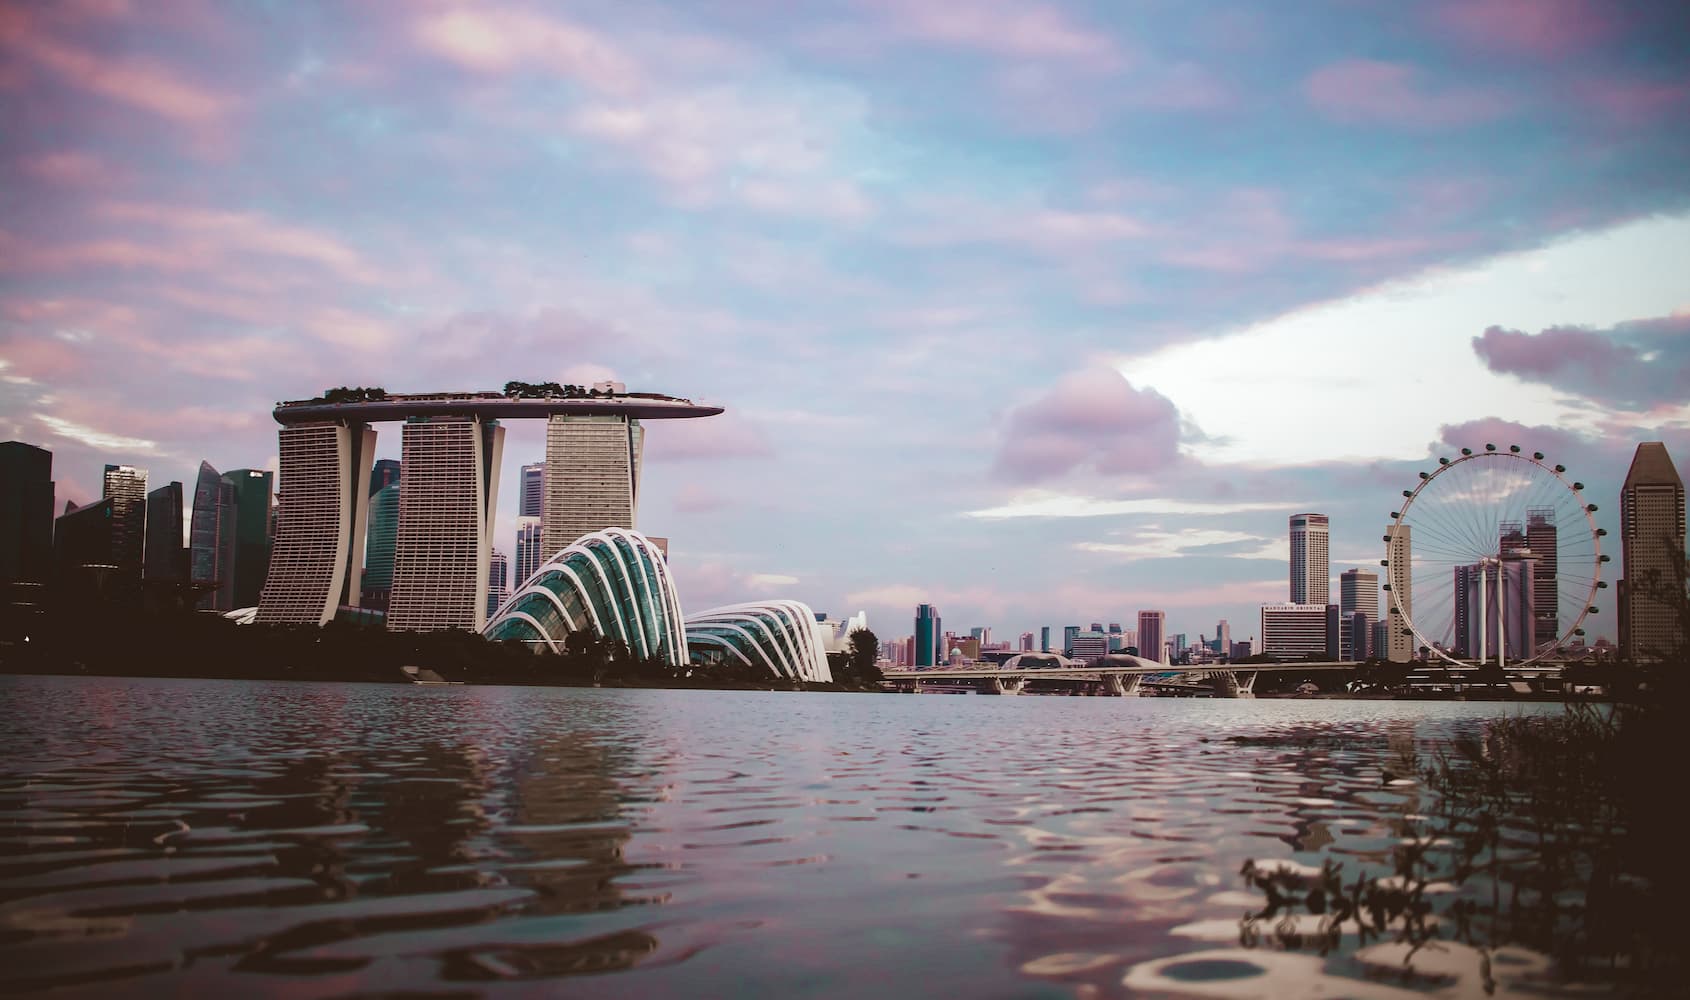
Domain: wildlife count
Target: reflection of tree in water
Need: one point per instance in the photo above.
(1547, 833)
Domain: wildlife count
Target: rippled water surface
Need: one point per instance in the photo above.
(200, 838)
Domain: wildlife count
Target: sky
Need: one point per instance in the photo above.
(1044, 313)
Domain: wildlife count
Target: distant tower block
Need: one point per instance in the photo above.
(1310, 566)
(325, 478)
(447, 499)
(1651, 542)
(532, 500)
(592, 478)
(1398, 551)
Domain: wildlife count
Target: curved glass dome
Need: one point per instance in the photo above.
(779, 636)
(613, 583)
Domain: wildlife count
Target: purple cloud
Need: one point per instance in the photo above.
(1636, 365)
(1367, 91)
(1090, 419)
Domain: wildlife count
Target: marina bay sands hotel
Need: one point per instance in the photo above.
(452, 448)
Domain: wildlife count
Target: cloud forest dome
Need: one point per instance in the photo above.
(612, 583)
(777, 635)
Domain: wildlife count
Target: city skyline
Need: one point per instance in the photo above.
(1092, 375)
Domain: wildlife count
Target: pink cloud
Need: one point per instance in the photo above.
(726, 436)
(1090, 419)
(70, 169)
(1635, 102)
(1366, 91)
(142, 84)
(501, 40)
(1010, 30)
(1641, 364)
(1543, 28)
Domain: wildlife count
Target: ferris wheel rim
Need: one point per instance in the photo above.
(1535, 459)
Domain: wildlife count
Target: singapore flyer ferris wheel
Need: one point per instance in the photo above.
(1504, 560)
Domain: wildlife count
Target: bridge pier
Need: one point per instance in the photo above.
(1007, 685)
(1234, 683)
(1123, 685)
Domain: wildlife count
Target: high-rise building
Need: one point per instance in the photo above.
(532, 500)
(320, 520)
(1541, 538)
(527, 549)
(254, 531)
(1358, 637)
(981, 634)
(927, 636)
(1150, 628)
(1652, 549)
(1294, 630)
(498, 582)
(85, 542)
(26, 513)
(592, 478)
(446, 510)
(126, 487)
(1177, 644)
(1507, 600)
(1399, 553)
(165, 559)
(1026, 642)
(377, 587)
(1310, 565)
(384, 473)
(1380, 640)
(1090, 645)
(1223, 638)
(1044, 638)
(1068, 634)
(211, 540)
(1358, 593)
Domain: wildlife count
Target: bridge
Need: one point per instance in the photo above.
(1119, 675)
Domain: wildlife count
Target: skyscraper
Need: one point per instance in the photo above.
(384, 473)
(1310, 567)
(527, 549)
(1044, 638)
(1069, 633)
(1506, 629)
(254, 531)
(320, 517)
(1358, 593)
(377, 585)
(1398, 570)
(84, 541)
(1223, 638)
(26, 513)
(126, 487)
(498, 581)
(1150, 628)
(1026, 642)
(165, 559)
(211, 540)
(592, 478)
(1652, 549)
(1541, 538)
(927, 635)
(446, 510)
(532, 500)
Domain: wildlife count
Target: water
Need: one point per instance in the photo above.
(199, 838)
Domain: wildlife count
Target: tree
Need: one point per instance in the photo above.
(859, 666)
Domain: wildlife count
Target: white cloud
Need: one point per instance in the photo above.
(1155, 543)
(771, 580)
(1047, 504)
(1374, 376)
(96, 439)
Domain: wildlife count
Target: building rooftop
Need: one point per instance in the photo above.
(376, 405)
(1652, 466)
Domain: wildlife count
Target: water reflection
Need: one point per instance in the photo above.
(199, 838)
